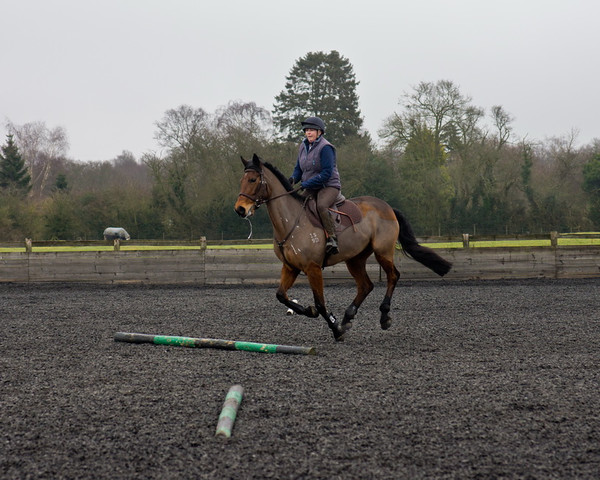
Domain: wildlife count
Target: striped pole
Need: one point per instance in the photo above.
(229, 411)
(211, 343)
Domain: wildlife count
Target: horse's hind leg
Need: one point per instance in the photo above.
(357, 267)
(392, 273)
(287, 279)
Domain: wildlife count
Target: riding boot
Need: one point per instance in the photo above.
(331, 247)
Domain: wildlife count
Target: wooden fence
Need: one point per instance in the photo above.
(206, 266)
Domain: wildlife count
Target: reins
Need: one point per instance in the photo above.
(289, 234)
(295, 223)
(259, 200)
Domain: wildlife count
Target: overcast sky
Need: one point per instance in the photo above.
(107, 70)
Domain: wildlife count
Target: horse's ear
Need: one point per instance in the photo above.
(244, 161)
(256, 160)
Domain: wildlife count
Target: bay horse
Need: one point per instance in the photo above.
(300, 246)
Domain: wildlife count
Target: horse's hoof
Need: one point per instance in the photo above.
(349, 314)
(338, 329)
(386, 322)
(311, 312)
(339, 334)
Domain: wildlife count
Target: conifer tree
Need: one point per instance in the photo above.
(591, 185)
(321, 84)
(13, 172)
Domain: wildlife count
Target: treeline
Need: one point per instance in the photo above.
(450, 166)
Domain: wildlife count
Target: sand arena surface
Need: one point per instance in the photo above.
(494, 379)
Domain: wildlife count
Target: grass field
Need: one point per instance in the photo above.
(473, 244)
(519, 243)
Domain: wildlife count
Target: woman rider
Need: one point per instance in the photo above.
(317, 170)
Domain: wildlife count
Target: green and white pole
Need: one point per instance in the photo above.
(229, 411)
(211, 343)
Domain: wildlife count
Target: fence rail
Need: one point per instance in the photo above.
(207, 266)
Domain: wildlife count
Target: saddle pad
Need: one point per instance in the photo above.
(345, 214)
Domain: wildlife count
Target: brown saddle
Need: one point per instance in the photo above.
(345, 213)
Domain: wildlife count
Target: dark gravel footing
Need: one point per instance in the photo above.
(473, 380)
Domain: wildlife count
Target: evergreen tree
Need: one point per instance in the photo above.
(424, 183)
(13, 172)
(591, 185)
(61, 184)
(321, 84)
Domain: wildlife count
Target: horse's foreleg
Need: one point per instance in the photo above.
(287, 279)
(315, 278)
(392, 273)
(357, 268)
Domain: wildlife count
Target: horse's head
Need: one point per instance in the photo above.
(261, 182)
(253, 189)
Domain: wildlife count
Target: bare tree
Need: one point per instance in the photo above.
(181, 127)
(439, 107)
(246, 118)
(439, 104)
(502, 120)
(42, 148)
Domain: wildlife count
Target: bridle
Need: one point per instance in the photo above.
(259, 199)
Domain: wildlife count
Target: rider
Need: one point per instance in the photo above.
(317, 170)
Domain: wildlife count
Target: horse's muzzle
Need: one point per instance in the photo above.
(242, 212)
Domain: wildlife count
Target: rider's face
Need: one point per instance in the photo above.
(311, 134)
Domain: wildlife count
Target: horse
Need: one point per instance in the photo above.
(300, 245)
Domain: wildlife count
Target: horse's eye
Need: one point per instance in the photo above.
(252, 180)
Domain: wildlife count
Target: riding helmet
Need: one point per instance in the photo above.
(313, 122)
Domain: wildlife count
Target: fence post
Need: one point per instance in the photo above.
(28, 246)
(554, 239)
(203, 243)
(465, 240)
(117, 245)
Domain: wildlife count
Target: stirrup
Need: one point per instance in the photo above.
(331, 247)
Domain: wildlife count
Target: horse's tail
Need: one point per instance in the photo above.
(417, 252)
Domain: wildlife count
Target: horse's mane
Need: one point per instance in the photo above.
(284, 181)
